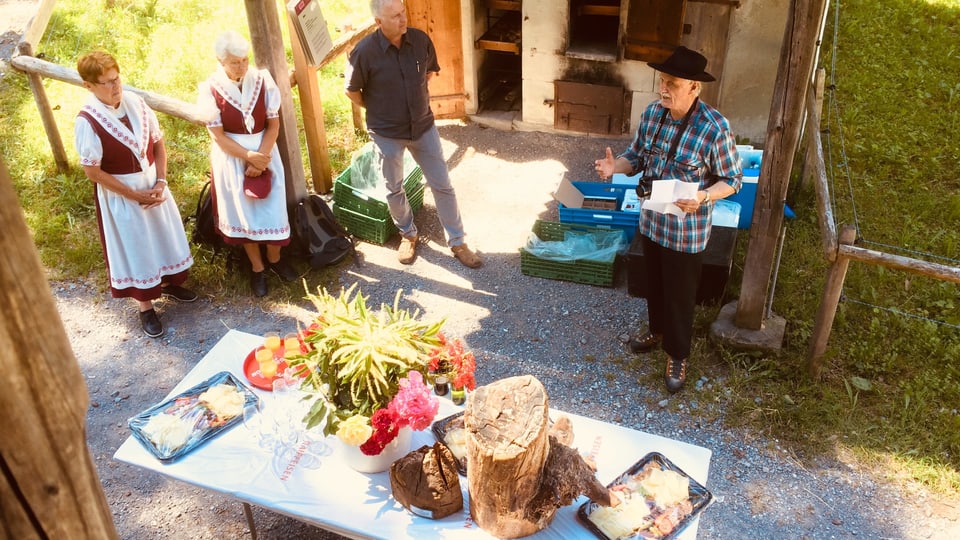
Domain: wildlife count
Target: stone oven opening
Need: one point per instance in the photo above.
(594, 29)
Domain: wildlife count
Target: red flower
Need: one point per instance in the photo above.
(460, 365)
(385, 429)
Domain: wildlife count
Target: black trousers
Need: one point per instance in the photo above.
(672, 280)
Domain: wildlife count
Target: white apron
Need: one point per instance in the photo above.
(240, 216)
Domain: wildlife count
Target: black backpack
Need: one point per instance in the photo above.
(317, 235)
(205, 230)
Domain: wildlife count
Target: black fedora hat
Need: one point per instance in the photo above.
(685, 64)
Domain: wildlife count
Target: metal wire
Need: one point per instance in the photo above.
(834, 118)
(845, 298)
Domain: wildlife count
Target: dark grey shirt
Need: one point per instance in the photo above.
(394, 83)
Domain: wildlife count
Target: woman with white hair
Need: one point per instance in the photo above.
(248, 189)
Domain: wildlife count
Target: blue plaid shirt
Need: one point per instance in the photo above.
(707, 152)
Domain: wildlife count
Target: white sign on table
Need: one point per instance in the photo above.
(325, 492)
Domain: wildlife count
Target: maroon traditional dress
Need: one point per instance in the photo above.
(142, 247)
(242, 111)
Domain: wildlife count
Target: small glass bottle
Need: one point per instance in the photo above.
(441, 380)
(458, 396)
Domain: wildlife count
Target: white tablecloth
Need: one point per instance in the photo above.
(333, 496)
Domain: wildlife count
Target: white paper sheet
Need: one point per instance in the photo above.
(666, 192)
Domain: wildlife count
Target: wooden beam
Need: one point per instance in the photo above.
(268, 51)
(897, 262)
(49, 486)
(814, 164)
(347, 42)
(311, 108)
(38, 24)
(783, 134)
(157, 102)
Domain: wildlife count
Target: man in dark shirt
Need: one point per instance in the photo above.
(387, 74)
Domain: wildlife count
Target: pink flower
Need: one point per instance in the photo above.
(414, 405)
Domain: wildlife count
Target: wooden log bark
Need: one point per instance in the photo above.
(48, 483)
(518, 473)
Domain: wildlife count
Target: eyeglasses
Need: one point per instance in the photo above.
(112, 82)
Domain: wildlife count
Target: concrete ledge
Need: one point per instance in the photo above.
(768, 338)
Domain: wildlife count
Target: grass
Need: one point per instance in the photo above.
(890, 394)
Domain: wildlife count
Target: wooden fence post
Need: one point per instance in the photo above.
(46, 113)
(805, 169)
(828, 304)
(49, 486)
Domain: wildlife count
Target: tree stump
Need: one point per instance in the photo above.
(518, 473)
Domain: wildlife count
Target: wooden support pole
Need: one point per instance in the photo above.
(783, 135)
(311, 108)
(49, 486)
(268, 52)
(828, 305)
(46, 113)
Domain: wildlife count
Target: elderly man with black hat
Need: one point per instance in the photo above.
(678, 137)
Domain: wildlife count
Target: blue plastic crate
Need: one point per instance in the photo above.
(606, 219)
(745, 198)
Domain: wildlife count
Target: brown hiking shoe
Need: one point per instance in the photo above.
(466, 257)
(676, 374)
(407, 252)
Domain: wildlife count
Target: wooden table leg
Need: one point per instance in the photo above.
(248, 512)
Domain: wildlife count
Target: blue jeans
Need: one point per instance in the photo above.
(428, 153)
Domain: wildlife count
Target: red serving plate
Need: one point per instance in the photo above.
(251, 368)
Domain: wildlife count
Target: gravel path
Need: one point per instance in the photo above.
(570, 336)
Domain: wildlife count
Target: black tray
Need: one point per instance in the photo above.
(700, 498)
(203, 432)
(440, 429)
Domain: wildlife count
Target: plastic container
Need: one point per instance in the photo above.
(374, 206)
(579, 271)
(598, 217)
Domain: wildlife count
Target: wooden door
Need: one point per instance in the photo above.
(709, 25)
(441, 20)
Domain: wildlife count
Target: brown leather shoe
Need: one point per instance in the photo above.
(675, 375)
(466, 257)
(646, 342)
(407, 252)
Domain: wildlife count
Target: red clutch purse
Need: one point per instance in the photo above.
(258, 187)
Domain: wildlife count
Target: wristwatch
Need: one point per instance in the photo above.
(706, 197)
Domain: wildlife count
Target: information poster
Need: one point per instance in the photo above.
(311, 29)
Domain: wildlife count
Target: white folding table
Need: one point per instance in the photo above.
(330, 495)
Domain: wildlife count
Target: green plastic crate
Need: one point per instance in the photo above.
(346, 196)
(363, 226)
(579, 271)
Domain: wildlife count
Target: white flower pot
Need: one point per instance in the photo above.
(361, 462)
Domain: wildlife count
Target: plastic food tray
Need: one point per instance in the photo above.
(700, 498)
(440, 429)
(579, 271)
(203, 432)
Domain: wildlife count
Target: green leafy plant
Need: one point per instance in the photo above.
(354, 359)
